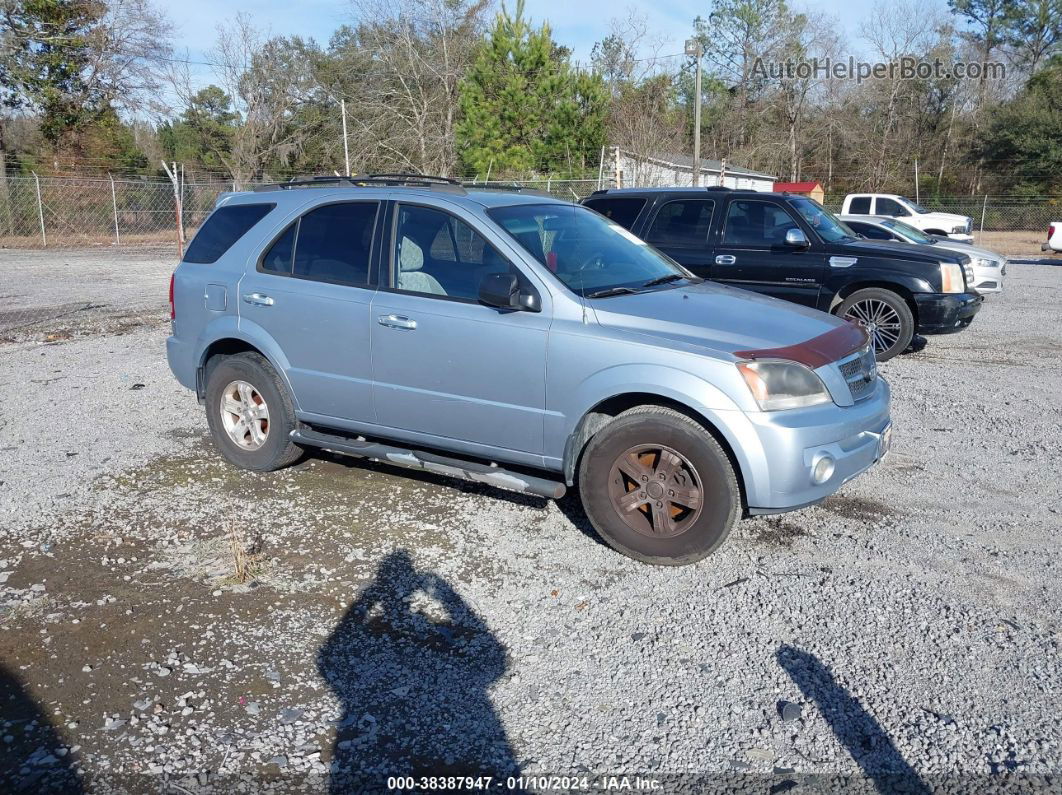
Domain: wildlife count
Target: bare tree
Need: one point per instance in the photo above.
(418, 53)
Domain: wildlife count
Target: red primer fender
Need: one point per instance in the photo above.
(817, 351)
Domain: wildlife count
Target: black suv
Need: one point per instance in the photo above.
(788, 246)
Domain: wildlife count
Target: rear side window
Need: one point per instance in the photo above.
(224, 227)
(860, 205)
(332, 244)
(623, 211)
(682, 223)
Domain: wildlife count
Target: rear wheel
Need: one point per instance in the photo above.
(250, 413)
(658, 487)
(885, 315)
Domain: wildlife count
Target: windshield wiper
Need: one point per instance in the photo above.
(611, 291)
(671, 277)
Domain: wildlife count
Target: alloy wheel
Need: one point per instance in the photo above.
(244, 415)
(881, 321)
(655, 490)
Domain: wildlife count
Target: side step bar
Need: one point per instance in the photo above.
(442, 465)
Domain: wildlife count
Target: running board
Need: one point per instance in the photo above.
(490, 474)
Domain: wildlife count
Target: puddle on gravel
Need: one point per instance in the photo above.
(778, 532)
(859, 509)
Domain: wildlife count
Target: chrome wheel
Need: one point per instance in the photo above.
(244, 415)
(655, 490)
(881, 321)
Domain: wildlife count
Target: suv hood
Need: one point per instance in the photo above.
(707, 315)
(900, 251)
(950, 218)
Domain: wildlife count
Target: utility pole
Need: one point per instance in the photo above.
(346, 150)
(694, 49)
(916, 182)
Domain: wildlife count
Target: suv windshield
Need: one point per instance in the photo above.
(827, 225)
(590, 254)
(909, 232)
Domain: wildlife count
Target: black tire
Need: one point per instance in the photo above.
(277, 451)
(876, 304)
(720, 496)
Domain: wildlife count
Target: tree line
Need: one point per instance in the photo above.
(472, 89)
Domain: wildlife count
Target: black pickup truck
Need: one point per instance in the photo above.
(789, 247)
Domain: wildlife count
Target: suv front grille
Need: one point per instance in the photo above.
(860, 372)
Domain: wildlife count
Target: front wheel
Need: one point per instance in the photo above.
(885, 315)
(658, 487)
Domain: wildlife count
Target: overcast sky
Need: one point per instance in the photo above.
(576, 24)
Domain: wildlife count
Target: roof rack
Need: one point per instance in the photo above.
(515, 187)
(367, 180)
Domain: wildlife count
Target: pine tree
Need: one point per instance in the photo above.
(524, 109)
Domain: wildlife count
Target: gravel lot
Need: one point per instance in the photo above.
(904, 633)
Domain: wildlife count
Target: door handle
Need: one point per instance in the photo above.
(397, 321)
(725, 259)
(257, 299)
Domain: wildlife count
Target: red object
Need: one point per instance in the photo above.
(173, 309)
(551, 261)
(816, 352)
(795, 187)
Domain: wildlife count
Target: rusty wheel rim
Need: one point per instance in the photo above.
(655, 490)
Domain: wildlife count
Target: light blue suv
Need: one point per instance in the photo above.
(528, 343)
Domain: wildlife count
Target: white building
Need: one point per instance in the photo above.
(676, 171)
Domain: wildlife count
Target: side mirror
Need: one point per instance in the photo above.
(796, 238)
(502, 290)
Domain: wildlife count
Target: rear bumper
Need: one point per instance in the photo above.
(853, 437)
(946, 313)
(182, 362)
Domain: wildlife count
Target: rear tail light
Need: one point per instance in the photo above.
(173, 309)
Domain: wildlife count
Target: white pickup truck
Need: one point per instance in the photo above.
(957, 227)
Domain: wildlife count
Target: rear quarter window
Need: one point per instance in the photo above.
(224, 227)
(623, 211)
(860, 205)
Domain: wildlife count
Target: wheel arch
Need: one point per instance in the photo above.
(229, 341)
(901, 290)
(607, 409)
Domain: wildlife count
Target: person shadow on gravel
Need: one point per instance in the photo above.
(35, 759)
(412, 664)
(856, 729)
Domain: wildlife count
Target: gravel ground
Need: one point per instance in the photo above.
(905, 633)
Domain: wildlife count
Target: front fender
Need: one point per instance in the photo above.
(670, 384)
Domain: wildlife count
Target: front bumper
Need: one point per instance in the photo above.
(961, 238)
(854, 437)
(946, 313)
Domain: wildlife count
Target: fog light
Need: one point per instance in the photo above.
(822, 470)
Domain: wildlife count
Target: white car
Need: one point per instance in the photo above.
(950, 225)
(989, 268)
(1054, 237)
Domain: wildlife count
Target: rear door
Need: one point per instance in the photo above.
(310, 291)
(680, 228)
(752, 252)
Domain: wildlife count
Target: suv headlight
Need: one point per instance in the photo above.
(985, 262)
(951, 278)
(783, 385)
(959, 230)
